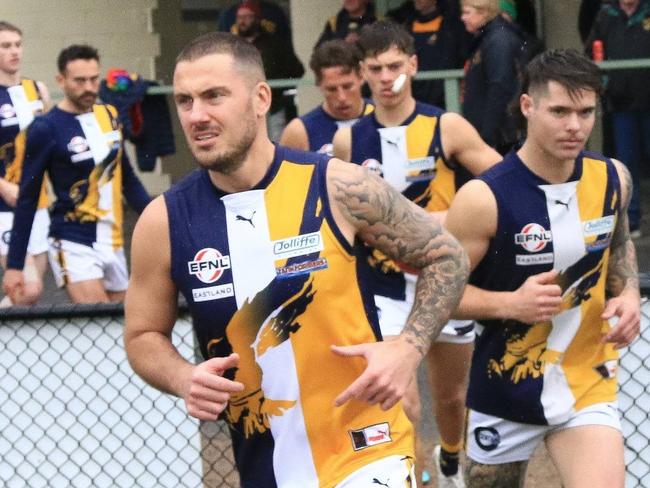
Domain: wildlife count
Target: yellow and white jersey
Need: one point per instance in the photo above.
(268, 275)
(541, 373)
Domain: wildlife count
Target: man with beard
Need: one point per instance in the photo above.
(80, 146)
(21, 100)
(279, 59)
(261, 241)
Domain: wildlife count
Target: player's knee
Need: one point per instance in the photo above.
(31, 293)
(452, 400)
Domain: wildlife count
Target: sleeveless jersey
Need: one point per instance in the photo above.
(19, 105)
(321, 127)
(267, 274)
(541, 373)
(411, 159)
(84, 157)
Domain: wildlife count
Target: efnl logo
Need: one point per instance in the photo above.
(533, 237)
(208, 265)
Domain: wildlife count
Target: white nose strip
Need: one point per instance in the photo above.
(398, 84)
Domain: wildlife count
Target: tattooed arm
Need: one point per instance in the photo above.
(365, 206)
(622, 274)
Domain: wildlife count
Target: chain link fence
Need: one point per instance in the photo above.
(74, 414)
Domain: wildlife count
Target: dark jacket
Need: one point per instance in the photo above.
(340, 25)
(491, 82)
(624, 38)
(441, 43)
(280, 61)
(145, 120)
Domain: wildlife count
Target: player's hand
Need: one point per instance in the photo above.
(207, 392)
(626, 308)
(391, 366)
(13, 284)
(538, 299)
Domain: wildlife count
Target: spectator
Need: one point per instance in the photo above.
(20, 99)
(335, 65)
(274, 20)
(490, 72)
(80, 146)
(624, 30)
(347, 23)
(440, 43)
(279, 58)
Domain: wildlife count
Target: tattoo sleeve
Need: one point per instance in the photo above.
(387, 221)
(622, 271)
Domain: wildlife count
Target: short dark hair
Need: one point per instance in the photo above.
(6, 26)
(380, 36)
(74, 52)
(241, 50)
(568, 67)
(335, 53)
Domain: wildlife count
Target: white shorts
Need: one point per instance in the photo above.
(72, 262)
(492, 440)
(391, 471)
(37, 239)
(393, 314)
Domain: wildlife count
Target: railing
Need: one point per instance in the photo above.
(450, 78)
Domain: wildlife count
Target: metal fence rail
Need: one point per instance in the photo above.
(73, 413)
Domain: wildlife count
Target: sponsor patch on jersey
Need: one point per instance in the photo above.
(607, 369)
(7, 111)
(213, 292)
(533, 237)
(298, 269)
(487, 438)
(533, 259)
(298, 246)
(78, 145)
(595, 227)
(370, 436)
(599, 245)
(208, 265)
(373, 165)
(421, 164)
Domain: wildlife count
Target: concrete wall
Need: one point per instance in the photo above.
(120, 29)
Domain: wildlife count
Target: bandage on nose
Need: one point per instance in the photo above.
(398, 84)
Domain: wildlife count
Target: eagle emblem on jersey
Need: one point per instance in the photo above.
(259, 325)
(526, 351)
(85, 193)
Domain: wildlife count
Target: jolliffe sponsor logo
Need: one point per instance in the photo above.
(596, 227)
(533, 237)
(298, 246)
(208, 265)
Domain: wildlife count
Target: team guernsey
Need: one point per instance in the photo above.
(409, 157)
(321, 127)
(543, 373)
(262, 273)
(19, 104)
(84, 157)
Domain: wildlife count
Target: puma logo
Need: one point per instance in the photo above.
(560, 202)
(249, 220)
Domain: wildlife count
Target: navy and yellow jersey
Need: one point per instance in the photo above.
(267, 274)
(409, 157)
(18, 106)
(89, 173)
(541, 373)
(321, 127)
